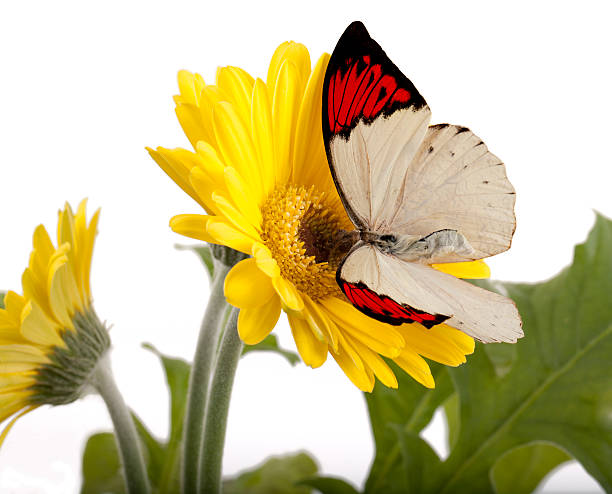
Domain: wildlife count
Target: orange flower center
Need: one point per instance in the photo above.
(299, 227)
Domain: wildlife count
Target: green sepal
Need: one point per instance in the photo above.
(2, 294)
(67, 377)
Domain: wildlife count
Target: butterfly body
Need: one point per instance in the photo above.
(417, 194)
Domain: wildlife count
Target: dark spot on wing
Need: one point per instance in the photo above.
(462, 129)
(485, 181)
(430, 149)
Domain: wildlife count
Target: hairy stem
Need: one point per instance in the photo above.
(218, 407)
(200, 379)
(128, 442)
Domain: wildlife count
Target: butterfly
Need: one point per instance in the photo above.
(417, 194)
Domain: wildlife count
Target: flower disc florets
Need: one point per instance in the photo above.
(299, 229)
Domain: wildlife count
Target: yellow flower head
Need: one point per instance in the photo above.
(259, 170)
(50, 338)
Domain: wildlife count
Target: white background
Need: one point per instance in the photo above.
(84, 87)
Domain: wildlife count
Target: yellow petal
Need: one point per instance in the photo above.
(192, 226)
(169, 160)
(265, 261)
(87, 251)
(285, 108)
(290, 297)
(246, 286)
(241, 195)
(10, 425)
(237, 85)
(312, 350)
(38, 328)
(359, 377)
(234, 216)
(189, 117)
(263, 136)
(254, 324)
(236, 146)
(310, 162)
(372, 360)
(227, 235)
(291, 51)
(322, 326)
(190, 86)
(27, 354)
(432, 344)
(382, 338)
(414, 365)
(467, 270)
(464, 342)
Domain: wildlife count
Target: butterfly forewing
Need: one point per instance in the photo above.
(455, 182)
(372, 116)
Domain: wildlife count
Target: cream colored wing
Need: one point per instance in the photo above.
(454, 182)
(396, 292)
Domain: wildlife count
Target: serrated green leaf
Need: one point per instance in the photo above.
(410, 407)
(2, 294)
(521, 470)
(559, 387)
(101, 466)
(270, 344)
(330, 485)
(277, 475)
(204, 252)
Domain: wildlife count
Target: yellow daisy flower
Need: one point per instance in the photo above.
(50, 337)
(260, 172)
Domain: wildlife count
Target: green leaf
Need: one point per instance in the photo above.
(2, 294)
(177, 377)
(558, 388)
(451, 412)
(408, 408)
(101, 466)
(521, 470)
(162, 459)
(419, 462)
(204, 252)
(270, 344)
(330, 485)
(277, 475)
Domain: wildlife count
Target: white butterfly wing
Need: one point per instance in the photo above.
(374, 119)
(454, 182)
(396, 292)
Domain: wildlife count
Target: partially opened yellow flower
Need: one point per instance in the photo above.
(50, 337)
(260, 172)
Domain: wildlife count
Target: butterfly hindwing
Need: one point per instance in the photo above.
(396, 292)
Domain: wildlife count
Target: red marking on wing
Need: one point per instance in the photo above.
(385, 308)
(360, 89)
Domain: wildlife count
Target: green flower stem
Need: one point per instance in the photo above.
(200, 379)
(218, 407)
(128, 442)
